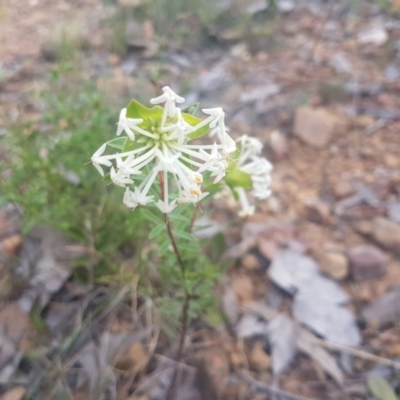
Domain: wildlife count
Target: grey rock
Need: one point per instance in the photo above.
(367, 262)
(387, 233)
(393, 212)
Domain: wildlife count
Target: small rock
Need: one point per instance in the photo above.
(334, 265)
(250, 262)
(315, 126)
(259, 360)
(393, 212)
(367, 262)
(391, 160)
(285, 6)
(392, 73)
(11, 245)
(375, 35)
(14, 394)
(387, 233)
(134, 357)
(49, 51)
(340, 63)
(317, 211)
(278, 144)
(364, 228)
(342, 189)
(364, 121)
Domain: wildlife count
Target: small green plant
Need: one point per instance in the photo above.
(45, 172)
(164, 167)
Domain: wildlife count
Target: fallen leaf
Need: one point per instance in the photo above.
(281, 335)
(318, 301)
(327, 318)
(307, 344)
(14, 394)
(381, 389)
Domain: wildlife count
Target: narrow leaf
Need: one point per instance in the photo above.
(184, 235)
(191, 109)
(152, 217)
(156, 231)
(117, 143)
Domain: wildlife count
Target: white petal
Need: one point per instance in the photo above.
(100, 151)
(97, 166)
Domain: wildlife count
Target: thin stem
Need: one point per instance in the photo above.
(185, 313)
(194, 217)
(174, 245)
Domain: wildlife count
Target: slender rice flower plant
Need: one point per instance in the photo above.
(159, 144)
(162, 163)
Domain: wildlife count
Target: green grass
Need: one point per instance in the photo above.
(48, 173)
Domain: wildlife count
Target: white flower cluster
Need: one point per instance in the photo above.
(165, 148)
(259, 169)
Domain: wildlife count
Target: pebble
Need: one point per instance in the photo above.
(134, 357)
(386, 233)
(376, 35)
(278, 144)
(315, 126)
(334, 265)
(342, 189)
(393, 212)
(11, 245)
(367, 262)
(317, 211)
(259, 360)
(250, 262)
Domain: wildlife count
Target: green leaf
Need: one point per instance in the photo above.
(150, 116)
(381, 389)
(118, 143)
(156, 231)
(152, 217)
(191, 109)
(184, 235)
(164, 248)
(177, 217)
(193, 121)
(132, 145)
(236, 178)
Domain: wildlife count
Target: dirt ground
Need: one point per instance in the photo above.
(322, 93)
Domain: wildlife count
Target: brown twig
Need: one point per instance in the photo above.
(358, 353)
(263, 387)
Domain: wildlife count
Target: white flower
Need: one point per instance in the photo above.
(166, 208)
(163, 152)
(119, 178)
(258, 168)
(97, 159)
(125, 124)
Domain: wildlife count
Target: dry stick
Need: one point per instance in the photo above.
(185, 312)
(358, 353)
(263, 387)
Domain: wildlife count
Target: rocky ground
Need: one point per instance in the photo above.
(313, 293)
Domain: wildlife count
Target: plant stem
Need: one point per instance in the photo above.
(185, 313)
(174, 245)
